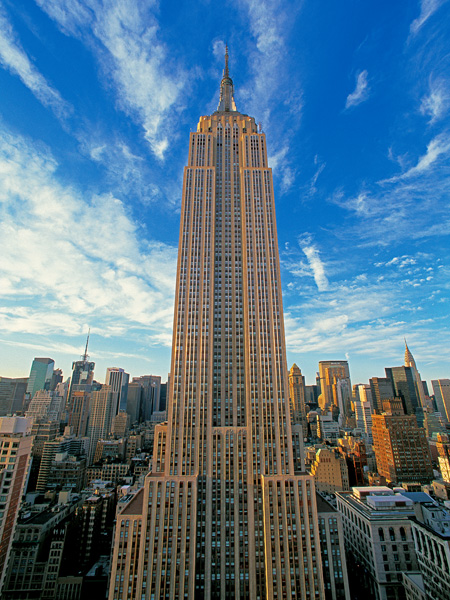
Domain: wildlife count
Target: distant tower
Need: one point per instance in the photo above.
(82, 370)
(410, 362)
(77, 404)
(118, 380)
(102, 412)
(335, 386)
(297, 394)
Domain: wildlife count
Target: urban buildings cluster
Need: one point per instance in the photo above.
(235, 478)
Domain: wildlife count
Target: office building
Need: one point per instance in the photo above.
(45, 405)
(443, 450)
(411, 363)
(335, 388)
(15, 445)
(117, 379)
(378, 540)
(12, 392)
(382, 389)
(330, 471)
(297, 394)
(151, 394)
(103, 410)
(441, 390)
(405, 387)
(333, 551)
(431, 532)
(400, 446)
(224, 513)
(40, 375)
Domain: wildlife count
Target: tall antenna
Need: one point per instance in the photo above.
(85, 355)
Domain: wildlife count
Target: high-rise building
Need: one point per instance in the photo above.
(335, 386)
(118, 380)
(411, 363)
(151, 394)
(12, 392)
(333, 551)
(400, 445)
(224, 513)
(103, 410)
(441, 390)
(363, 410)
(45, 404)
(382, 389)
(297, 394)
(15, 445)
(405, 387)
(40, 375)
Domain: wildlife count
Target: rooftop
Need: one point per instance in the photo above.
(134, 507)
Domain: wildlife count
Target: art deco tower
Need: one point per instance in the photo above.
(224, 515)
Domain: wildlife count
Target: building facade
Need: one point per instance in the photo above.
(224, 513)
(378, 541)
(400, 446)
(441, 390)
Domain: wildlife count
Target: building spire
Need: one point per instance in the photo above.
(226, 102)
(85, 355)
(409, 358)
(225, 71)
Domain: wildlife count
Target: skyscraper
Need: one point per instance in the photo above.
(118, 380)
(40, 375)
(335, 387)
(441, 389)
(223, 512)
(405, 387)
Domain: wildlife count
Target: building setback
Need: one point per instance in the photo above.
(224, 513)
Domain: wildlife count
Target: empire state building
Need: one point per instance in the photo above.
(223, 514)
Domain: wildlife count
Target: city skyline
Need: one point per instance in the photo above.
(91, 185)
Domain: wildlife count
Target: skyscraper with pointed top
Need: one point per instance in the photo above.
(223, 513)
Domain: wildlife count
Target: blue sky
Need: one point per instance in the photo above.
(97, 99)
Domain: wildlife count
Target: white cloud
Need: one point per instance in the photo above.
(427, 8)
(438, 146)
(315, 263)
(79, 258)
(437, 102)
(15, 59)
(361, 91)
(124, 37)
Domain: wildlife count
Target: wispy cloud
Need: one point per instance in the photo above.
(427, 8)
(312, 189)
(440, 145)
(269, 23)
(14, 58)
(78, 257)
(437, 102)
(367, 314)
(124, 37)
(313, 256)
(361, 91)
